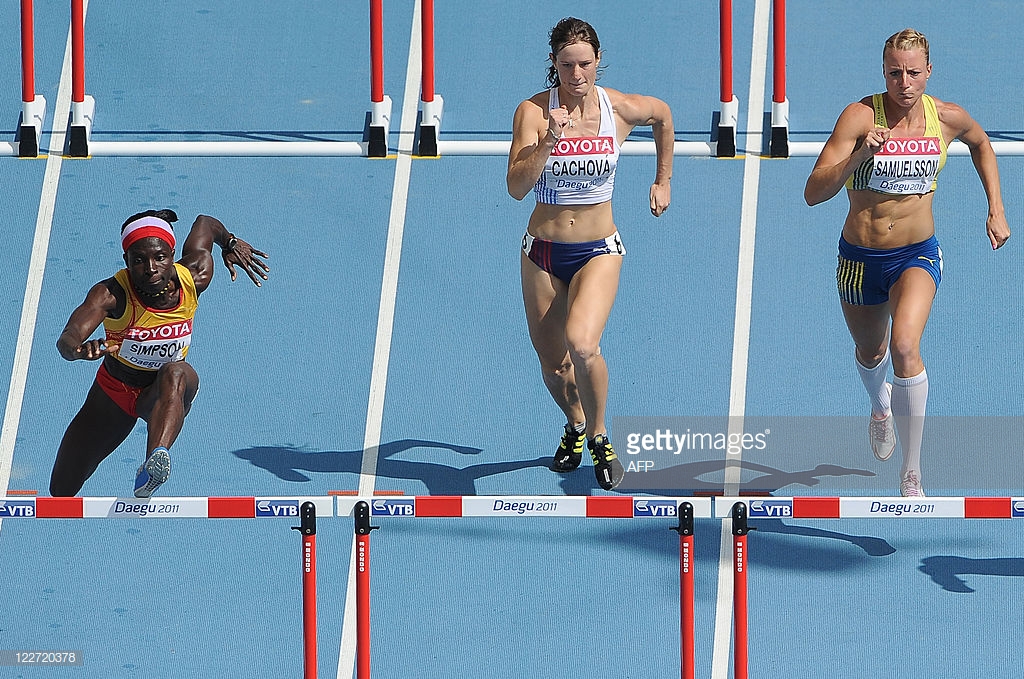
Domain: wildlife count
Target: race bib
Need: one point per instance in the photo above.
(906, 165)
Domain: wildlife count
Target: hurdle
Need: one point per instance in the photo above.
(548, 506)
(728, 113)
(741, 509)
(24, 506)
(33, 106)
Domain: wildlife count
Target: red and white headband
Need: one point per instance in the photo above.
(145, 227)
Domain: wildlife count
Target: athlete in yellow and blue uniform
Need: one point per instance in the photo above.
(887, 150)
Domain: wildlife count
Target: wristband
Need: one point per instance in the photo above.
(230, 246)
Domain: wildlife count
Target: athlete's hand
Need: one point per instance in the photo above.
(244, 255)
(998, 230)
(661, 196)
(95, 349)
(558, 120)
(875, 139)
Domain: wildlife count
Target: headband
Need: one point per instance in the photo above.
(145, 227)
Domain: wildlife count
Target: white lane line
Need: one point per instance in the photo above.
(36, 266)
(385, 325)
(741, 328)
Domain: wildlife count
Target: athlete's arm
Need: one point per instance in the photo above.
(530, 148)
(854, 140)
(197, 253)
(638, 109)
(984, 158)
(74, 342)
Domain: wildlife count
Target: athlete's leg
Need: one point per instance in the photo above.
(544, 297)
(94, 433)
(591, 295)
(911, 299)
(869, 328)
(165, 403)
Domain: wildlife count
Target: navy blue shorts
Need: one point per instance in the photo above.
(865, 275)
(563, 260)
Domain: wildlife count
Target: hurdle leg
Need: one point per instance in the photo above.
(730, 105)
(83, 107)
(778, 146)
(431, 104)
(379, 119)
(307, 527)
(363, 528)
(740, 566)
(33, 106)
(687, 647)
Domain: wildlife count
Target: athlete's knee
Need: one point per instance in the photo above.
(906, 353)
(558, 368)
(174, 378)
(583, 347)
(870, 357)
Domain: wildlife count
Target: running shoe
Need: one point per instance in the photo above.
(911, 485)
(607, 467)
(570, 451)
(883, 434)
(153, 472)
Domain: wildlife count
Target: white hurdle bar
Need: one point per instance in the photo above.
(398, 506)
(699, 149)
(866, 507)
(513, 506)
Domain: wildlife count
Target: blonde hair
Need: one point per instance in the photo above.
(907, 39)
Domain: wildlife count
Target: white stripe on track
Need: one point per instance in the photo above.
(741, 328)
(385, 325)
(36, 266)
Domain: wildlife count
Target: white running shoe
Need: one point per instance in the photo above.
(911, 485)
(883, 434)
(153, 473)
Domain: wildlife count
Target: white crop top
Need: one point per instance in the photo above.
(581, 170)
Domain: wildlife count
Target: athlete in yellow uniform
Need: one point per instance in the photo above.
(147, 310)
(887, 150)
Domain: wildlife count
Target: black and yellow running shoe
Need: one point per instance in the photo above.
(607, 467)
(570, 451)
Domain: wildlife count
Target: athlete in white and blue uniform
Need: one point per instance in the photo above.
(887, 150)
(565, 147)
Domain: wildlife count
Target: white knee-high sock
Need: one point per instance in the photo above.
(909, 402)
(874, 382)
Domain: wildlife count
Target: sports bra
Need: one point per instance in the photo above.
(581, 170)
(149, 338)
(904, 165)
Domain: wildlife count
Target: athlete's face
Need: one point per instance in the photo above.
(906, 74)
(577, 67)
(150, 262)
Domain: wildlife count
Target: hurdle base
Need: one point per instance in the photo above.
(80, 130)
(726, 120)
(778, 146)
(30, 127)
(378, 122)
(429, 126)
(726, 146)
(27, 140)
